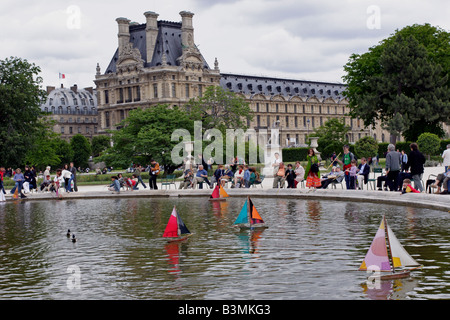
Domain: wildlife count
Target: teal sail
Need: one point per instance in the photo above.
(243, 215)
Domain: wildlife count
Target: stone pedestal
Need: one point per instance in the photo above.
(314, 145)
(271, 148)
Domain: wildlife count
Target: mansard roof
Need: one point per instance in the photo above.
(168, 41)
(71, 101)
(251, 85)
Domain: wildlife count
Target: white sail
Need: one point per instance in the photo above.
(400, 257)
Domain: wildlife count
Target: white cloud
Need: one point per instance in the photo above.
(308, 40)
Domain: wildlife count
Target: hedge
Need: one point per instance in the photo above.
(294, 154)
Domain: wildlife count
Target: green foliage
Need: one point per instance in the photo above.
(402, 145)
(219, 109)
(42, 153)
(294, 154)
(332, 137)
(443, 145)
(81, 150)
(63, 150)
(20, 100)
(402, 82)
(429, 143)
(100, 144)
(366, 147)
(146, 134)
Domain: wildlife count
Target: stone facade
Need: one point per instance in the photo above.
(155, 63)
(158, 63)
(74, 110)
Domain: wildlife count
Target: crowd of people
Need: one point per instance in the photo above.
(132, 183)
(27, 181)
(401, 172)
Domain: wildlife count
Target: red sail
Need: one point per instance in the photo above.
(216, 193)
(172, 226)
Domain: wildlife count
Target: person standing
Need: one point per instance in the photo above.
(2, 173)
(154, 171)
(312, 173)
(446, 158)
(138, 171)
(415, 163)
(346, 163)
(404, 160)
(73, 171)
(67, 176)
(393, 165)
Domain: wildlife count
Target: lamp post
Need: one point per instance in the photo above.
(307, 132)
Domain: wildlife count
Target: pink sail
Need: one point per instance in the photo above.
(377, 258)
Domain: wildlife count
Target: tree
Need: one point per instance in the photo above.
(81, 150)
(429, 143)
(42, 153)
(63, 150)
(332, 136)
(366, 147)
(403, 82)
(20, 100)
(146, 134)
(219, 109)
(100, 144)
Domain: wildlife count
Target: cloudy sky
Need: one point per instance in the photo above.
(296, 39)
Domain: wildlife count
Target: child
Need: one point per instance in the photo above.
(121, 181)
(290, 176)
(115, 185)
(57, 183)
(130, 184)
(352, 171)
(407, 187)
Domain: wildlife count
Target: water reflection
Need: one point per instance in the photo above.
(398, 289)
(249, 239)
(121, 252)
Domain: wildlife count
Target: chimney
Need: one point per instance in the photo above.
(90, 90)
(50, 89)
(124, 33)
(187, 30)
(74, 88)
(151, 32)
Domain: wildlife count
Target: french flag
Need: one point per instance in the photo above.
(62, 75)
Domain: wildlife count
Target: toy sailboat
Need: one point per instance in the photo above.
(249, 217)
(176, 228)
(383, 259)
(219, 194)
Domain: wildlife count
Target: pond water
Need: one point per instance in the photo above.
(311, 250)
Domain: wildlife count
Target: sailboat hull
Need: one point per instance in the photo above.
(217, 199)
(179, 239)
(396, 275)
(249, 227)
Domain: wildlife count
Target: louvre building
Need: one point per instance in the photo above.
(158, 63)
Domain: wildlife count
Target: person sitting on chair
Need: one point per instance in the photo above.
(363, 173)
(335, 175)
